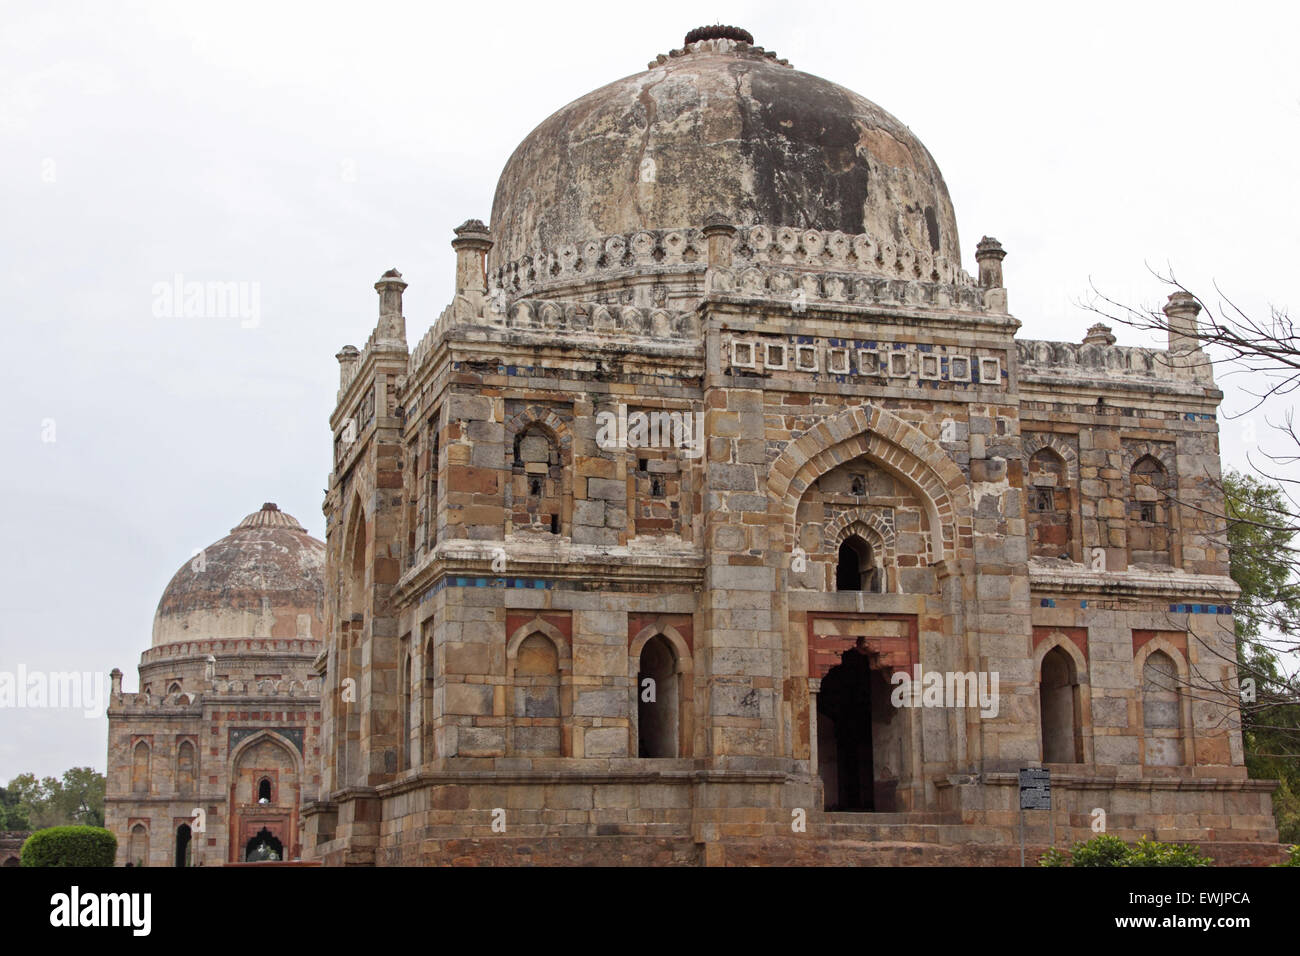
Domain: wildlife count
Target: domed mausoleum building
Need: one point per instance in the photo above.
(722, 517)
(227, 717)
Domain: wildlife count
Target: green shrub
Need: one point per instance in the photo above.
(1149, 853)
(1292, 857)
(1054, 857)
(1107, 850)
(69, 846)
(1103, 850)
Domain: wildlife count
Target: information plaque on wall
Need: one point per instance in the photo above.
(1035, 789)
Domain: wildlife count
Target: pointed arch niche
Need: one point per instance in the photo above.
(1060, 668)
(539, 690)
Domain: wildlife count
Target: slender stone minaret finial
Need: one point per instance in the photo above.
(347, 357)
(989, 254)
(392, 324)
(472, 242)
(1181, 310)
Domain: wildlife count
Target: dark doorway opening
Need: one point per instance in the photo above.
(263, 846)
(183, 845)
(844, 733)
(855, 568)
(264, 791)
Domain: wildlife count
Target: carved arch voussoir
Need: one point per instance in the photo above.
(844, 523)
(897, 446)
(1035, 442)
(541, 415)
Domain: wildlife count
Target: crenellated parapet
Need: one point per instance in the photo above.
(563, 316)
(244, 646)
(1092, 360)
(669, 252)
(660, 252)
(183, 702)
(802, 289)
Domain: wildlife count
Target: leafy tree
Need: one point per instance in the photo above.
(1262, 558)
(13, 815)
(81, 796)
(77, 799)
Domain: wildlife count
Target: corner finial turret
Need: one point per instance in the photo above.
(989, 254)
(472, 242)
(1181, 311)
(1099, 334)
(392, 324)
(347, 356)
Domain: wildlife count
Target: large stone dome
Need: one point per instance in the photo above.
(720, 125)
(264, 579)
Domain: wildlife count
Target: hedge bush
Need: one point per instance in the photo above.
(69, 846)
(1107, 850)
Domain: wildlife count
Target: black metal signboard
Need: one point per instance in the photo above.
(1035, 789)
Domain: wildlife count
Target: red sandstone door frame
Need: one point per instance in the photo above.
(889, 655)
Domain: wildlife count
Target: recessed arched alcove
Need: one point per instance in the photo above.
(657, 699)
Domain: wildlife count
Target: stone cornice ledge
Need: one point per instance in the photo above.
(1085, 781)
(561, 559)
(1133, 582)
(578, 777)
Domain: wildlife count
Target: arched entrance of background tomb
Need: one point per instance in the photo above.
(264, 846)
(183, 854)
(263, 766)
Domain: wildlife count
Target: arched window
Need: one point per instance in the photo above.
(347, 718)
(1149, 539)
(408, 727)
(357, 561)
(537, 481)
(1048, 491)
(183, 846)
(426, 705)
(431, 499)
(1161, 712)
(537, 697)
(140, 768)
(137, 849)
(856, 569)
(264, 790)
(185, 769)
(173, 688)
(1058, 708)
(657, 696)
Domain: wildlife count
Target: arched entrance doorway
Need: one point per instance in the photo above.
(845, 754)
(263, 846)
(182, 846)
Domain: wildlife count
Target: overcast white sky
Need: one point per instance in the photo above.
(308, 147)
